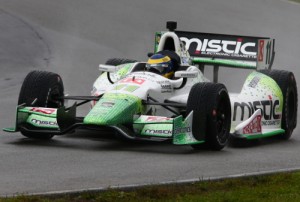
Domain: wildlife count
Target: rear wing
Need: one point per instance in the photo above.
(226, 50)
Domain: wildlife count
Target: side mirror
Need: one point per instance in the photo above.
(108, 68)
(186, 74)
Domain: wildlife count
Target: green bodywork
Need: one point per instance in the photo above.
(114, 109)
(176, 128)
(265, 87)
(263, 135)
(183, 131)
(224, 62)
(153, 126)
(35, 118)
(124, 69)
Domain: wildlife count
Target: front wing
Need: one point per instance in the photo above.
(60, 121)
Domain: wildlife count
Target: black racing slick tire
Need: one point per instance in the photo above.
(287, 83)
(119, 61)
(211, 108)
(41, 89)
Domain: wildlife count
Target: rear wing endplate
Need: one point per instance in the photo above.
(227, 50)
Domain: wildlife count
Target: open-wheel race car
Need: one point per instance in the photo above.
(168, 97)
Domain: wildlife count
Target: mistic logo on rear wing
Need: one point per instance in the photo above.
(227, 50)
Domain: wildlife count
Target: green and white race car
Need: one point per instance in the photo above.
(187, 109)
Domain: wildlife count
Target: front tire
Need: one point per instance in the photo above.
(211, 108)
(41, 89)
(287, 83)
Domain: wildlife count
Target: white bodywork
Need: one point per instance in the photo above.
(256, 110)
(148, 83)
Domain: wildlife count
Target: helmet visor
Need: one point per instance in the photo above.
(160, 67)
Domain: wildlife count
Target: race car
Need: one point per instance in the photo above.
(135, 101)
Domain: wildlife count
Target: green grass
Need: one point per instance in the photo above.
(276, 188)
(295, 1)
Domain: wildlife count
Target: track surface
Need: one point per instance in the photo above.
(72, 37)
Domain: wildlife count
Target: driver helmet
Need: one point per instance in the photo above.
(161, 64)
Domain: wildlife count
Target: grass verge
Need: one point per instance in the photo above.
(277, 187)
(298, 1)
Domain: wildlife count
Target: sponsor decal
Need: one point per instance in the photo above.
(253, 83)
(43, 110)
(107, 104)
(134, 80)
(188, 75)
(267, 107)
(44, 123)
(182, 130)
(119, 87)
(163, 82)
(217, 47)
(126, 87)
(146, 76)
(220, 45)
(261, 50)
(166, 88)
(254, 126)
(157, 118)
(151, 131)
(131, 88)
(271, 122)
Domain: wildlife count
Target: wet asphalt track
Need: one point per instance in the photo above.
(71, 37)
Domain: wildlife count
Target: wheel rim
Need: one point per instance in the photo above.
(55, 98)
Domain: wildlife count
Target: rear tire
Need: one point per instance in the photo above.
(287, 83)
(48, 90)
(211, 108)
